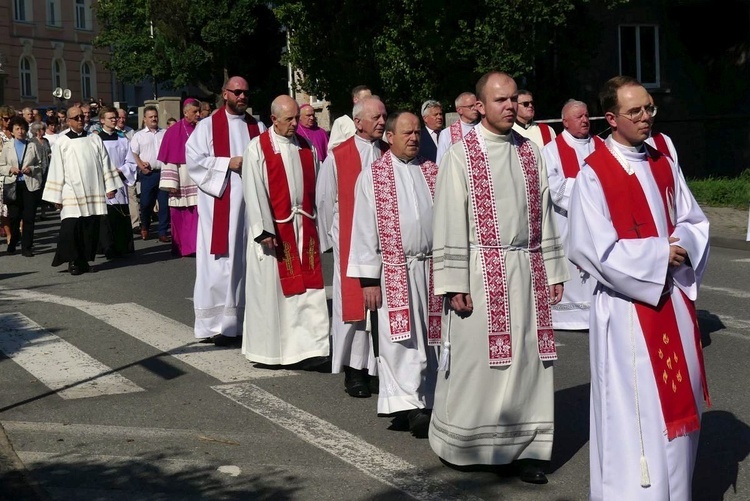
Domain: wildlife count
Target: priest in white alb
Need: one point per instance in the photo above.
(351, 343)
(286, 321)
(468, 117)
(213, 155)
(637, 229)
(343, 127)
(564, 156)
(500, 264)
(391, 255)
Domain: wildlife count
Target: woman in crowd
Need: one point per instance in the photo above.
(6, 113)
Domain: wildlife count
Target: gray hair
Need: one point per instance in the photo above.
(36, 127)
(461, 96)
(430, 103)
(359, 106)
(570, 103)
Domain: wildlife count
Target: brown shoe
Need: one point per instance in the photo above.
(144, 234)
(165, 239)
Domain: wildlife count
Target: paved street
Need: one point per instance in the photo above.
(105, 395)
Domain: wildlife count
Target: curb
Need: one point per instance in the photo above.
(730, 243)
(15, 481)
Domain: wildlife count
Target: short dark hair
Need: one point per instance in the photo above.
(390, 122)
(18, 120)
(608, 93)
(150, 107)
(359, 88)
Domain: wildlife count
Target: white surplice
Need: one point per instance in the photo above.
(407, 369)
(572, 313)
(80, 175)
(351, 344)
(279, 330)
(445, 140)
(482, 414)
(534, 132)
(122, 157)
(342, 129)
(219, 293)
(628, 270)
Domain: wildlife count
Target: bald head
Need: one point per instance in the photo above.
(575, 118)
(75, 119)
(236, 94)
(284, 115)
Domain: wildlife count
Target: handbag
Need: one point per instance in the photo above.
(9, 191)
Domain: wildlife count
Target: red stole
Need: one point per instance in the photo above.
(571, 166)
(661, 144)
(295, 274)
(546, 131)
(395, 262)
(220, 131)
(632, 218)
(456, 134)
(348, 167)
(492, 259)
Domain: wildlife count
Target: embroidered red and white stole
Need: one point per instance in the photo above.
(481, 194)
(220, 133)
(296, 274)
(632, 218)
(571, 166)
(348, 167)
(456, 133)
(395, 260)
(546, 131)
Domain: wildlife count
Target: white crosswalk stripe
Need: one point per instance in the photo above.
(58, 364)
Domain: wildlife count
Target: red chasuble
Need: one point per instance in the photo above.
(348, 167)
(220, 131)
(568, 158)
(546, 131)
(632, 218)
(297, 274)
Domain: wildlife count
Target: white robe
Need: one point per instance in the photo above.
(627, 270)
(342, 129)
(482, 414)
(534, 133)
(351, 344)
(444, 140)
(219, 294)
(122, 157)
(572, 313)
(278, 330)
(80, 176)
(407, 369)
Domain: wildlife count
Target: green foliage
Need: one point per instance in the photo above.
(412, 50)
(722, 192)
(194, 43)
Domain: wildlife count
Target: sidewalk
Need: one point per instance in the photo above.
(728, 230)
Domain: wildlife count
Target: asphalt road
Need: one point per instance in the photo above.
(142, 412)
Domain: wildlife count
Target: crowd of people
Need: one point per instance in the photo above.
(457, 253)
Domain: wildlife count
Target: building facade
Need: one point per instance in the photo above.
(45, 44)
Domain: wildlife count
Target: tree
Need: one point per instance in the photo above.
(412, 50)
(194, 43)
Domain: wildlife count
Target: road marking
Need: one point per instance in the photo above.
(367, 458)
(725, 290)
(744, 260)
(62, 367)
(163, 333)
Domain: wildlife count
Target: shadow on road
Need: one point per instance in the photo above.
(571, 424)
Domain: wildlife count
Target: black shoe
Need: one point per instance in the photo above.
(373, 383)
(222, 340)
(355, 383)
(11, 251)
(419, 422)
(531, 471)
(74, 269)
(27, 253)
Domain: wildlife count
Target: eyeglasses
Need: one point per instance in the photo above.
(526, 104)
(77, 118)
(467, 106)
(636, 115)
(5, 118)
(239, 92)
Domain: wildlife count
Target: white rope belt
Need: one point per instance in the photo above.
(295, 210)
(506, 247)
(409, 259)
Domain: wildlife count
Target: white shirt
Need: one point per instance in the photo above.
(146, 144)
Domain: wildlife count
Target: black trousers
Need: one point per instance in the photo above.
(23, 208)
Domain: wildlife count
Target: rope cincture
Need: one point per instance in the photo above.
(645, 478)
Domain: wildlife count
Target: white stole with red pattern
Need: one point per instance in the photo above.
(481, 194)
(395, 261)
(456, 132)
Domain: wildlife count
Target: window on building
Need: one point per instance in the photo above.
(22, 10)
(53, 13)
(58, 74)
(26, 75)
(639, 53)
(82, 21)
(86, 80)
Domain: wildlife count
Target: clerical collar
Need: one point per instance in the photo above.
(523, 125)
(74, 135)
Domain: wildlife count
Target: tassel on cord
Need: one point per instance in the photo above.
(645, 478)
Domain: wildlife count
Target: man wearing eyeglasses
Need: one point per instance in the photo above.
(80, 179)
(564, 157)
(468, 117)
(525, 125)
(636, 228)
(213, 155)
